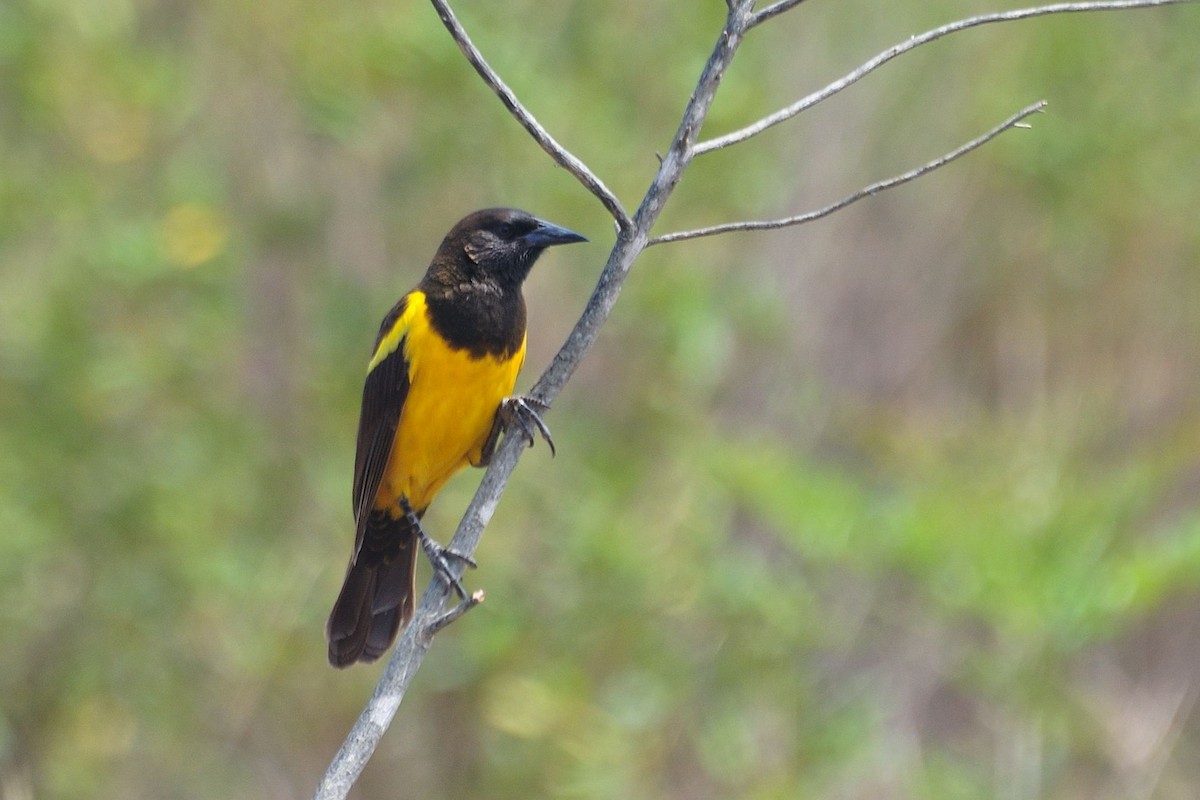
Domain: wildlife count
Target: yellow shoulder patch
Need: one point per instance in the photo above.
(414, 310)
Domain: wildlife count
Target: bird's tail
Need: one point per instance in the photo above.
(377, 596)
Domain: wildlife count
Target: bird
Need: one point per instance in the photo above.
(435, 400)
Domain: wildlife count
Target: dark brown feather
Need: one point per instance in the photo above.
(377, 597)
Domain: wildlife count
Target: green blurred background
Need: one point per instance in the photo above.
(900, 504)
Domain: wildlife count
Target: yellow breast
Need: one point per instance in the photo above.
(448, 413)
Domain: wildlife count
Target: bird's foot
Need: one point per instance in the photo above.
(522, 412)
(439, 556)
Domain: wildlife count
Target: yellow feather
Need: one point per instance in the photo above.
(451, 404)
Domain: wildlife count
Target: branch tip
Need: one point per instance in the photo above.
(867, 191)
(453, 614)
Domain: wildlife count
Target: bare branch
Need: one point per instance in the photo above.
(773, 10)
(916, 41)
(632, 237)
(560, 154)
(763, 225)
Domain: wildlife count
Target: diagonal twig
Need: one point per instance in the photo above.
(763, 225)
(773, 10)
(563, 157)
(878, 61)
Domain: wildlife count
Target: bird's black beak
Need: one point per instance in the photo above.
(547, 234)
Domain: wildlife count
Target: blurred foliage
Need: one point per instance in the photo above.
(900, 504)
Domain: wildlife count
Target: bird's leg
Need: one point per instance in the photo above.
(437, 554)
(521, 411)
(489, 444)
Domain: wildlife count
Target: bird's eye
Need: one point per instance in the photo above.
(505, 230)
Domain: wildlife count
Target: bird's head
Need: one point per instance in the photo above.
(501, 244)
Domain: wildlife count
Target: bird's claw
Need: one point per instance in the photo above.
(523, 413)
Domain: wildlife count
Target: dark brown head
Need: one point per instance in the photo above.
(496, 245)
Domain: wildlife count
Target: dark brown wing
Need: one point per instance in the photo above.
(384, 393)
